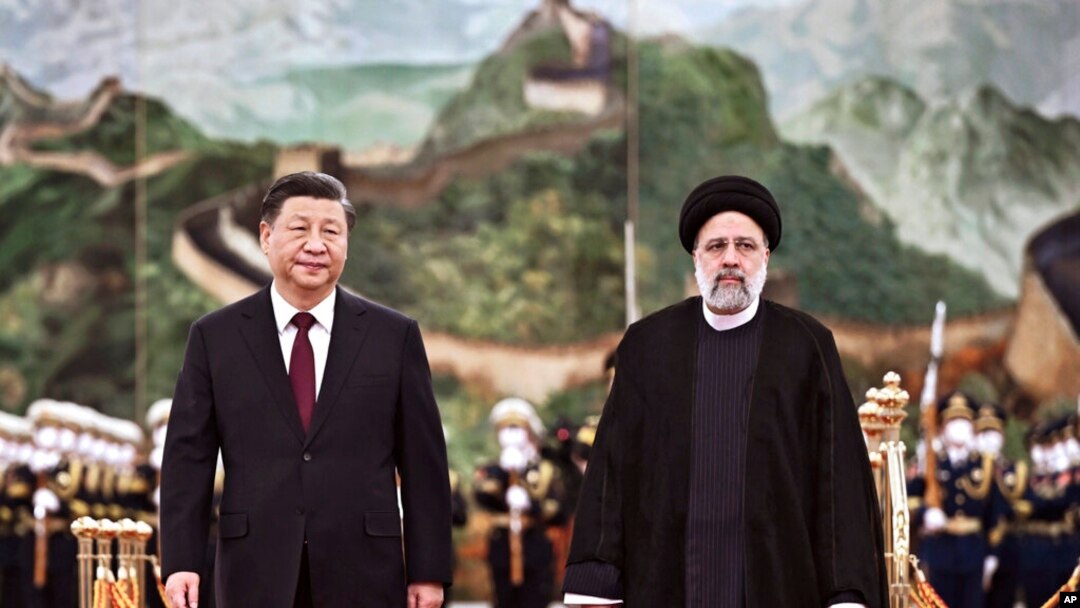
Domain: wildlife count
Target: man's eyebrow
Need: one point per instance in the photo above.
(736, 238)
(307, 218)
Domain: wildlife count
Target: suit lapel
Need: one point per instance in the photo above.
(260, 334)
(346, 338)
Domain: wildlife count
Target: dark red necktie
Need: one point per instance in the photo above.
(302, 368)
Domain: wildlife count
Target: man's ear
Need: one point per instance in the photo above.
(264, 236)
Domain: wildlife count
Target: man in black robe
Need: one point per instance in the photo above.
(729, 469)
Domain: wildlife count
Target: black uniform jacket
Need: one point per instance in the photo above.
(813, 530)
(333, 487)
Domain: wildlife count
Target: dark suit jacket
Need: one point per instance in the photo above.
(813, 533)
(334, 487)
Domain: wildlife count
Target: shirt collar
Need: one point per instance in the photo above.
(284, 312)
(726, 322)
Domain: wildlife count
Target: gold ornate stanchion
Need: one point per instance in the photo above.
(85, 529)
(143, 532)
(104, 583)
(98, 586)
(881, 417)
(127, 576)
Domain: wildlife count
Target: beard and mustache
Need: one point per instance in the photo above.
(730, 299)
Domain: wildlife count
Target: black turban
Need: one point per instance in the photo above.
(729, 193)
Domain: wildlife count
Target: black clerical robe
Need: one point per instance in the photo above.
(812, 530)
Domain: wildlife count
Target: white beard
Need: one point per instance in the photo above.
(729, 299)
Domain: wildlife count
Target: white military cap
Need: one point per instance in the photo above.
(127, 431)
(158, 413)
(47, 412)
(516, 410)
(15, 427)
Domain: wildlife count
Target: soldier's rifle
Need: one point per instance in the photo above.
(517, 558)
(928, 411)
(41, 536)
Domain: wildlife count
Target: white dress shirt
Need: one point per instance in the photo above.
(318, 335)
(719, 323)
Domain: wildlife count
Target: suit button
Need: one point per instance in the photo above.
(307, 456)
(299, 510)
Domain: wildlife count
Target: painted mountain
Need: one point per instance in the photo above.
(1027, 49)
(972, 177)
(256, 70)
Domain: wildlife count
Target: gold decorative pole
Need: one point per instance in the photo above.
(881, 417)
(85, 529)
(932, 495)
(517, 556)
(143, 532)
(103, 585)
(41, 538)
(127, 574)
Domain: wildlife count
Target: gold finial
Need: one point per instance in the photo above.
(127, 528)
(108, 529)
(84, 527)
(890, 401)
(143, 531)
(869, 419)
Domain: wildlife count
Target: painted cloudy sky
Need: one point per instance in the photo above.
(66, 46)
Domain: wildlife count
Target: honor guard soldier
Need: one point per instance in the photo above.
(135, 478)
(1064, 463)
(459, 513)
(1011, 481)
(157, 420)
(459, 509)
(572, 457)
(16, 517)
(524, 493)
(954, 544)
(1071, 434)
(91, 447)
(49, 555)
(135, 483)
(1044, 528)
(157, 424)
(583, 442)
(558, 450)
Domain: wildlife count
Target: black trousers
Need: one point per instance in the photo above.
(535, 590)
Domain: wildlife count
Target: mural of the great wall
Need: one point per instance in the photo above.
(922, 150)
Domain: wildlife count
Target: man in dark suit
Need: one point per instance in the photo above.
(315, 398)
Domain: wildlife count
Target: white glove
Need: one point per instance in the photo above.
(934, 519)
(517, 498)
(513, 459)
(44, 498)
(990, 566)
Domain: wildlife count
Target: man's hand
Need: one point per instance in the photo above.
(182, 589)
(990, 566)
(517, 498)
(424, 595)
